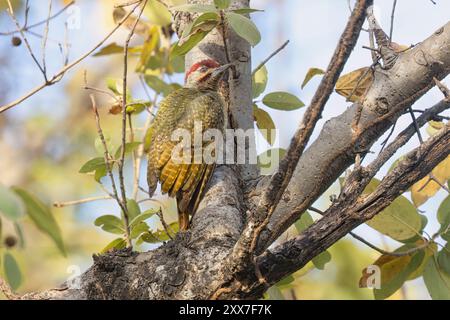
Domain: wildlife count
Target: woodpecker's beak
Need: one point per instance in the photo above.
(218, 72)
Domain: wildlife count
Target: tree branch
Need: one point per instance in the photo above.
(346, 214)
(391, 93)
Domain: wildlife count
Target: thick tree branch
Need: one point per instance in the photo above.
(192, 265)
(391, 93)
(280, 180)
(347, 214)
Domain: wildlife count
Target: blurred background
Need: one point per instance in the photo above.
(45, 140)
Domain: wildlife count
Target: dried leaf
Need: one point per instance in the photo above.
(141, 29)
(354, 85)
(265, 124)
(312, 72)
(426, 188)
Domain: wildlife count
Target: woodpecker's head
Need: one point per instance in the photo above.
(205, 74)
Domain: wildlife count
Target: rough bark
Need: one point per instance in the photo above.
(191, 266)
(392, 92)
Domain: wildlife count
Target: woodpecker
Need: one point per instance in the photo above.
(197, 102)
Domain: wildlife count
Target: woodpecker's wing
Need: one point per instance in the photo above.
(186, 179)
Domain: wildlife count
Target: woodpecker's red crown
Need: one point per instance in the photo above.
(202, 66)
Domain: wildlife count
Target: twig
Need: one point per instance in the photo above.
(25, 40)
(281, 178)
(391, 30)
(27, 28)
(77, 202)
(7, 291)
(443, 88)
(224, 36)
(404, 137)
(416, 126)
(126, 4)
(45, 37)
(388, 253)
(148, 122)
(107, 157)
(124, 124)
(385, 142)
(370, 245)
(59, 75)
(263, 63)
(164, 223)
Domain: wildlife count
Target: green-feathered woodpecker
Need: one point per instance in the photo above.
(197, 102)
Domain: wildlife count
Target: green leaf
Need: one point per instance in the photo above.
(114, 85)
(246, 10)
(181, 49)
(269, 160)
(11, 206)
(310, 74)
(304, 222)
(158, 85)
(199, 8)
(157, 13)
(205, 22)
(436, 281)
(110, 223)
(244, 27)
(12, 271)
(19, 232)
(285, 282)
(321, 260)
(194, 33)
(117, 244)
(137, 107)
(177, 64)
(93, 165)
(443, 214)
(443, 259)
(142, 217)
(42, 217)
(259, 82)
(129, 148)
(139, 229)
(222, 4)
(111, 48)
(397, 280)
(159, 235)
(133, 209)
(400, 220)
(265, 123)
(429, 253)
(282, 101)
(275, 293)
(100, 173)
(301, 225)
(98, 144)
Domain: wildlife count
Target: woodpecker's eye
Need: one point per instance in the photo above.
(203, 69)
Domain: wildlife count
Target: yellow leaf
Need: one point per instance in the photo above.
(389, 265)
(141, 27)
(310, 74)
(434, 127)
(157, 13)
(429, 252)
(399, 220)
(354, 85)
(426, 188)
(265, 124)
(399, 48)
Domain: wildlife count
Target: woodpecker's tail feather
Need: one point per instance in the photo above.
(189, 200)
